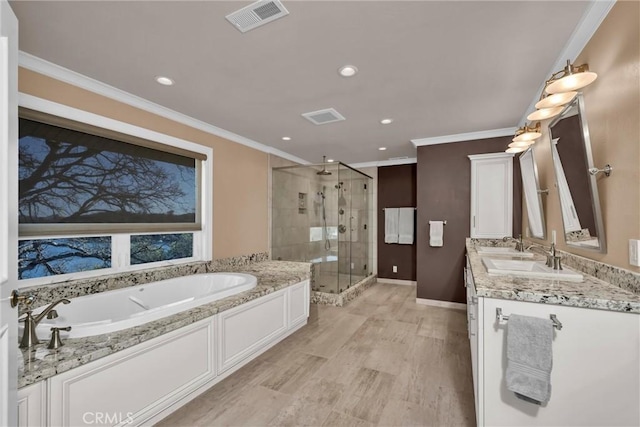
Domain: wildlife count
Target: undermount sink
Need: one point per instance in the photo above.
(486, 250)
(527, 268)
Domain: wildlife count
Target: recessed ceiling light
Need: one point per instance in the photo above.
(382, 148)
(286, 138)
(166, 81)
(330, 160)
(386, 121)
(348, 71)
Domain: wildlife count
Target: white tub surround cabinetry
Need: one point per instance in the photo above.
(140, 375)
(491, 195)
(595, 378)
(145, 383)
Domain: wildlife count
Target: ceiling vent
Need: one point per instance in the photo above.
(322, 117)
(257, 14)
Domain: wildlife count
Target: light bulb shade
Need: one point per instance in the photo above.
(515, 149)
(521, 144)
(527, 136)
(544, 113)
(527, 133)
(556, 100)
(573, 78)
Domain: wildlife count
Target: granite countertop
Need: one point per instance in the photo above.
(40, 363)
(590, 293)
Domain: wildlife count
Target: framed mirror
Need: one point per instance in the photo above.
(577, 188)
(532, 195)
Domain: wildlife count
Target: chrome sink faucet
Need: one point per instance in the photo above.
(553, 260)
(519, 242)
(29, 337)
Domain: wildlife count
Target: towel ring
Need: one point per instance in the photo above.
(500, 317)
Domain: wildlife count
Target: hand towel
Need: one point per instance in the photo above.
(529, 358)
(405, 225)
(391, 217)
(436, 232)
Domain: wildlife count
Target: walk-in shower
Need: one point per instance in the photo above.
(321, 214)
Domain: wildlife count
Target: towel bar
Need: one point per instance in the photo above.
(500, 317)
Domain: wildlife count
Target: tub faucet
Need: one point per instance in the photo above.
(29, 337)
(519, 242)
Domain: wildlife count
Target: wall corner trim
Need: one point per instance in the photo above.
(444, 304)
(461, 137)
(49, 69)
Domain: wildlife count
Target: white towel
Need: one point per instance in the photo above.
(436, 232)
(391, 217)
(405, 225)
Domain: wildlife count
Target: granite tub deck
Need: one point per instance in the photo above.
(40, 363)
(590, 293)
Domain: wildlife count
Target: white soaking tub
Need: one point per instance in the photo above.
(119, 309)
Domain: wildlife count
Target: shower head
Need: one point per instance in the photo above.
(324, 170)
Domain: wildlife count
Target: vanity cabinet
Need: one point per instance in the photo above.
(32, 409)
(491, 195)
(595, 378)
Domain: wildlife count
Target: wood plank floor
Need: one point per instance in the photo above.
(381, 360)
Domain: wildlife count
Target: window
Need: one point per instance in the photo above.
(100, 194)
(50, 257)
(160, 247)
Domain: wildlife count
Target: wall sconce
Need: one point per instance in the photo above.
(559, 90)
(527, 133)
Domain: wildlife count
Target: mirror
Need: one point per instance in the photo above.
(532, 195)
(577, 188)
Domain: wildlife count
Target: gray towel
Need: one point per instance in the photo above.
(529, 357)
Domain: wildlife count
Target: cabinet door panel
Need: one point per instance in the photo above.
(246, 329)
(125, 390)
(595, 378)
(491, 195)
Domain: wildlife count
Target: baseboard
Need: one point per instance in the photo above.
(397, 282)
(438, 303)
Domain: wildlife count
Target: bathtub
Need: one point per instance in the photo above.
(119, 309)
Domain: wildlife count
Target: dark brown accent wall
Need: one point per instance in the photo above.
(574, 163)
(444, 193)
(396, 189)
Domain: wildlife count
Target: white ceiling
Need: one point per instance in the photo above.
(436, 67)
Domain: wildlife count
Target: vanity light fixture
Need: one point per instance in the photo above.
(527, 133)
(386, 121)
(348, 70)
(544, 113)
(382, 148)
(521, 144)
(165, 81)
(571, 78)
(555, 100)
(560, 89)
(515, 149)
(286, 138)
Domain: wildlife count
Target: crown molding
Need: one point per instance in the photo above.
(66, 75)
(586, 28)
(396, 162)
(460, 137)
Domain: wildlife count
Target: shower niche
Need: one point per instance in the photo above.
(320, 214)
